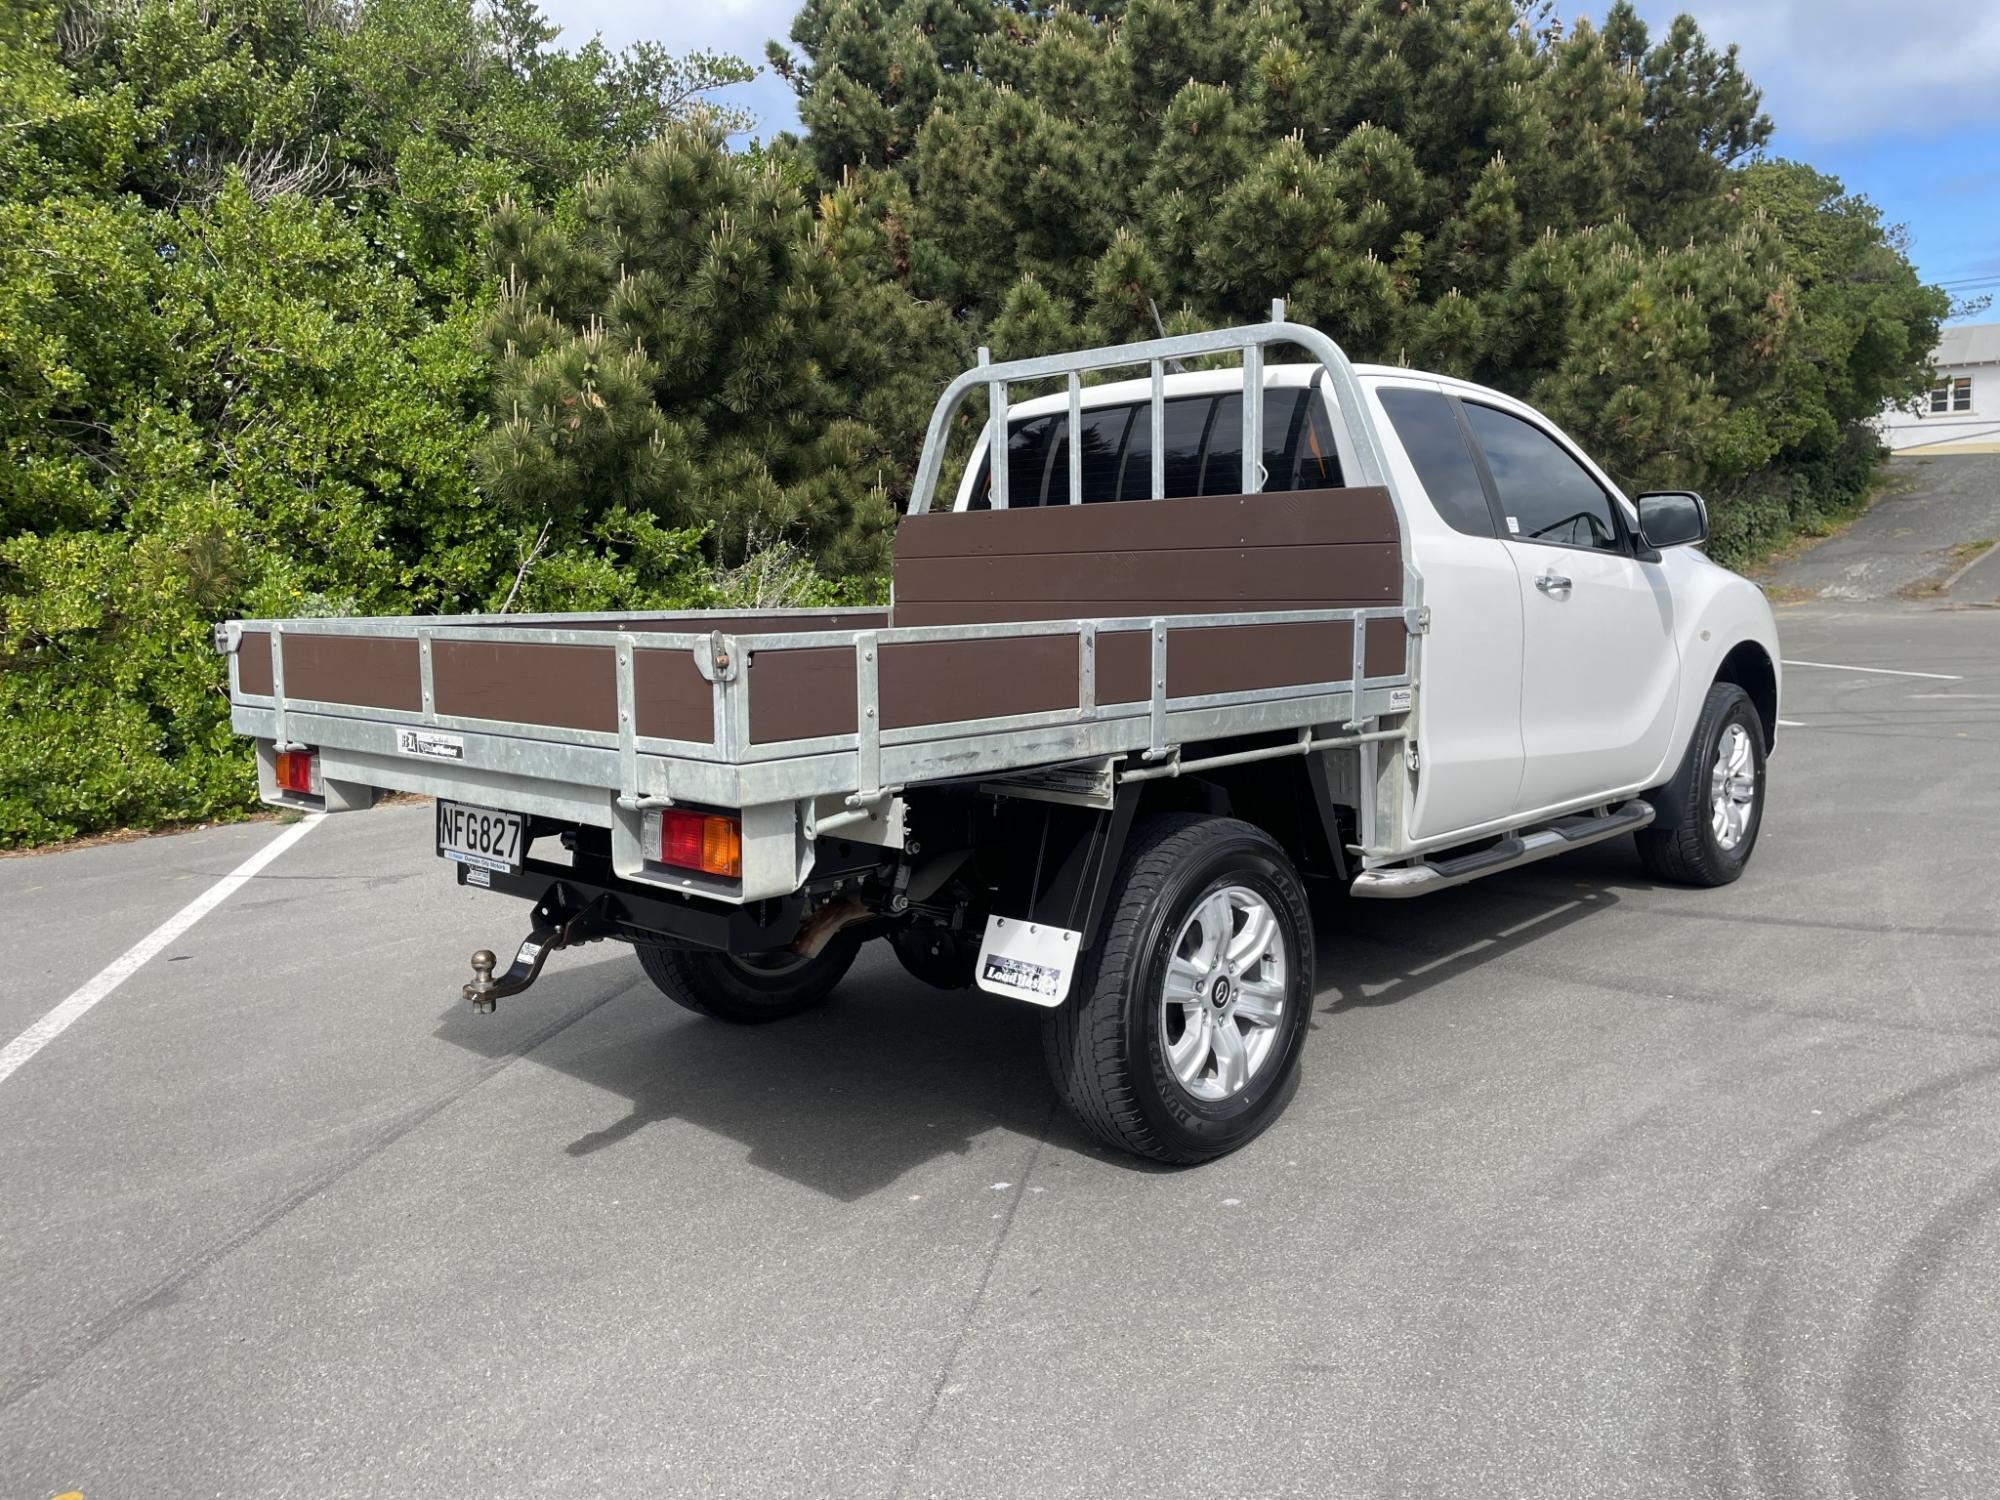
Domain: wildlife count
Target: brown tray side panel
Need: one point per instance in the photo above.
(947, 682)
(1005, 611)
(566, 687)
(1356, 574)
(801, 694)
(253, 663)
(369, 671)
(1124, 657)
(1286, 518)
(1241, 658)
(671, 699)
(1384, 651)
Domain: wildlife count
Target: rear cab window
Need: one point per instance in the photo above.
(1441, 452)
(1204, 450)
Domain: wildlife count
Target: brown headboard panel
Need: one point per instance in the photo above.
(1209, 554)
(1203, 555)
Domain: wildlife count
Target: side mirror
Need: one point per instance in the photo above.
(1672, 518)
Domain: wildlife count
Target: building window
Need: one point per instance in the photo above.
(1952, 395)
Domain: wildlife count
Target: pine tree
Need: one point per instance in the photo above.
(689, 343)
(1566, 211)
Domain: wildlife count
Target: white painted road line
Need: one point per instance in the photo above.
(128, 963)
(1834, 666)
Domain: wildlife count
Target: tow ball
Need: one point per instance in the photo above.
(552, 930)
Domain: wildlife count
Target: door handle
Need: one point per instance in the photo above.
(1553, 584)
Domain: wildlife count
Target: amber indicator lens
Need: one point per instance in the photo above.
(707, 842)
(298, 771)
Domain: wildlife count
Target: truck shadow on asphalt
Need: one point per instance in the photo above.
(891, 1075)
(845, 1100)
(1376, 953)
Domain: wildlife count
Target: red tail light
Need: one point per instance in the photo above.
(708, 842)
(298, 771)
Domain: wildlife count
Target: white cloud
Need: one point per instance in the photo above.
(1838, 70)
(739, 26)
(1831, 70)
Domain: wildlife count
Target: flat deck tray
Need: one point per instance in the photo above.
(1180, 559)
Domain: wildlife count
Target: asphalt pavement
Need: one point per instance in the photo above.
(1592, 1188)
(1919, 539)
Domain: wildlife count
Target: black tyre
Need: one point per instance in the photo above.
(1180, 1039)
(1707, 818)
(940, 957)
(747, 989)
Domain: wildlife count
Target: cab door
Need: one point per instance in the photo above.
(1469, 712)
(1600, 668)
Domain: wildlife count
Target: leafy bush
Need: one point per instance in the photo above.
(239, 283)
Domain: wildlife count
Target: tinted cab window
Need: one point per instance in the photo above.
(1204, 450)
(1545, 494)
(1431, 435)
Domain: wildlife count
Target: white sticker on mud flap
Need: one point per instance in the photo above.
(1029, 961)
(429, 745)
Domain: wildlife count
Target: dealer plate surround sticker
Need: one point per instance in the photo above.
(430, 745)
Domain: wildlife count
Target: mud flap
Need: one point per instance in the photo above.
(1028, 960)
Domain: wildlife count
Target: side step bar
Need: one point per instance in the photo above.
(1394, 882)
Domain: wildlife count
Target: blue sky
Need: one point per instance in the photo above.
(1900, 99)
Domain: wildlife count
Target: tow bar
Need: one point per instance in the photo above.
(552, 930)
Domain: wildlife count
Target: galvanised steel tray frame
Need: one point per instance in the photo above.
(610, 778)
(1360, 451)
(729, 770)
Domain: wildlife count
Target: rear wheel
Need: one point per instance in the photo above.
(1181, 1038)
(1709, 815)
(747, 988)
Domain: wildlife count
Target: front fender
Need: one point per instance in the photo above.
(1716, 613)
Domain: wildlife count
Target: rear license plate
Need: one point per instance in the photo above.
(480, 837)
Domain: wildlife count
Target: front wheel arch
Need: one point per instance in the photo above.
(1750, 667)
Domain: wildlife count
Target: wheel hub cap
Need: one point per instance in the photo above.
(1223, 1000)
(1732, 787)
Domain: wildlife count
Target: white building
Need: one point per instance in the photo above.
(1962, 412)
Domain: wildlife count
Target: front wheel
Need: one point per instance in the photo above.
(1181, 1039)
(747, 988)
(1709, 815)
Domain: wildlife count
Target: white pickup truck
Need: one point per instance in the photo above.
(1376, 626)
